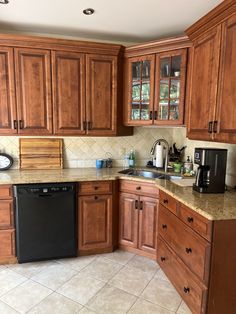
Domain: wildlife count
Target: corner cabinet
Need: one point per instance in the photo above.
(155, 84)
(212, 114)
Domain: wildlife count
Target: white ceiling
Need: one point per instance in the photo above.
(121, 20)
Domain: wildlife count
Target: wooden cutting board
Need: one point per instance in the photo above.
(41, 153)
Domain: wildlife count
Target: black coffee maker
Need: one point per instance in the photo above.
(211, 171)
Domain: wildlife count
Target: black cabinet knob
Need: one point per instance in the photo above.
(163, 258)
(164, 226)
(186, 290)
(95, 197)
(165, 201)
(188, 250)
(96, 188)
(138, 188)
(190, 219)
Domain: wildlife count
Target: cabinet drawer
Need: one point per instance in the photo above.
(6, 214)
(169, 202)
(191, 290)
(5, 192)
(191, 248)
(7, 240)
(95, 187)
(139, 188)
(200, 224)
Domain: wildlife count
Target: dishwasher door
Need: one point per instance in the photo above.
(45, 221)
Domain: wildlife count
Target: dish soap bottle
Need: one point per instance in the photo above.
(132, 159)
(188, 166)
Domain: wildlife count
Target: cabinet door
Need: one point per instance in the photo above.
(95, 222)
(101, 94)
(33, 86)
(170, 87)
(7, 92)
(203, 86)
(68, 93)
(226, 114)
(140, 98)
(128, 220)
(7, 240)
(147, 224)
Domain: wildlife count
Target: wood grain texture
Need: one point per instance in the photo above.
(6, 192)
(139, 188)
(41, 153)
(169, 202)
(95, 187)
(6, 214)
(7, 247)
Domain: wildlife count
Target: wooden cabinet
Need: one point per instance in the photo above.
(213, 81)
(97, 218)
(155, 82)
(138, 217)
(33, 91)
(7, 231)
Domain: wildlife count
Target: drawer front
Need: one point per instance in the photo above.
(139, 188)
(192, 249)
(6, 214)
(169, 202)
(5, 192)
(192, 291)
(95, 187)
(7, 240)
(200, 224)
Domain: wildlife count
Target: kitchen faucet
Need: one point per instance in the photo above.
(167, 147)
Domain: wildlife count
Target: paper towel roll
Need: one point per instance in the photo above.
(159, 156)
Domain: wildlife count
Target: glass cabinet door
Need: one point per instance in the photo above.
(142, 86)
(170, 87)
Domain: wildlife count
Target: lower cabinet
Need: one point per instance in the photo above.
(97, 221)
(138, 218)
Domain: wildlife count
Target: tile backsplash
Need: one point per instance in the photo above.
(82, 151)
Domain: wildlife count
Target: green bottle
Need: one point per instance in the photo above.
(132, 159)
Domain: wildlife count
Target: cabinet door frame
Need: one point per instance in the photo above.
(128, 89)
(10, 90)
(22, 115)
(81, 89)
(183, 54)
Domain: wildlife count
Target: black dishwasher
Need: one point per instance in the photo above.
(45, 220)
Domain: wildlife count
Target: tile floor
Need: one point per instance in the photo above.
(114, 283)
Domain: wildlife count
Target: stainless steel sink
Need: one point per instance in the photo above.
(145, 174)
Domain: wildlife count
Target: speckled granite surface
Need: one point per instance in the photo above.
(211, 206)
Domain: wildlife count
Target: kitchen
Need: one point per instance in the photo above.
(78, 107)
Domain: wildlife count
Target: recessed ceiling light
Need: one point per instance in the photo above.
(4, 1)
(88, 11)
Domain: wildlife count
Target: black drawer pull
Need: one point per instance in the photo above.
(138, 188)
(215, 123)
(96, 188)
(95, 197)
(164, 226)
(186, 290)
(150, 115)
(155, 115)
(210, 127)
(165, 201)
(15, 123)
(136, 204)
(163, 258)
(188, 250)
(141, 205)
(190, 219)
(21, 124)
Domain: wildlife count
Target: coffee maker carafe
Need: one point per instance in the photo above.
(211, 171)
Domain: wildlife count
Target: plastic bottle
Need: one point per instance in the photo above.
(188, 165)
(132, 159)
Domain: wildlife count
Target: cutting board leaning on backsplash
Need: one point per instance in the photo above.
(41, 153)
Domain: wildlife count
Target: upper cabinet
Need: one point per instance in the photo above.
(212, 113)
(154, 84)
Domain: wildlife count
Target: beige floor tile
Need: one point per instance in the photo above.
(130, 280)
(77, 263)
(119, 256)
(9, 280)
(55, 304)
(5, 309)
(30, 269)
(162, 293)
(145, 307)
(144, 264)
(54, 276)
(111, 300)
(102, 269)
(160, 274)
(86, 311)
(25, 296)
(81, 288)
(183, 309)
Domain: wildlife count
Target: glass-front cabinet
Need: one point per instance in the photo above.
(170, 87)
(141, 89)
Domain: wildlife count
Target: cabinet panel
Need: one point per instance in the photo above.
(203, 86)
(33, 87)
(95, 222)
(7, 92)
(68, 92)
(6, 214)
(7, 240)
(226, 114)
(101, 94)
(128, 220)
(139, 188)
(5, 192)
(98, 187)
(147, 224)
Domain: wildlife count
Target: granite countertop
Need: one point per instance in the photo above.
(211, 206)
